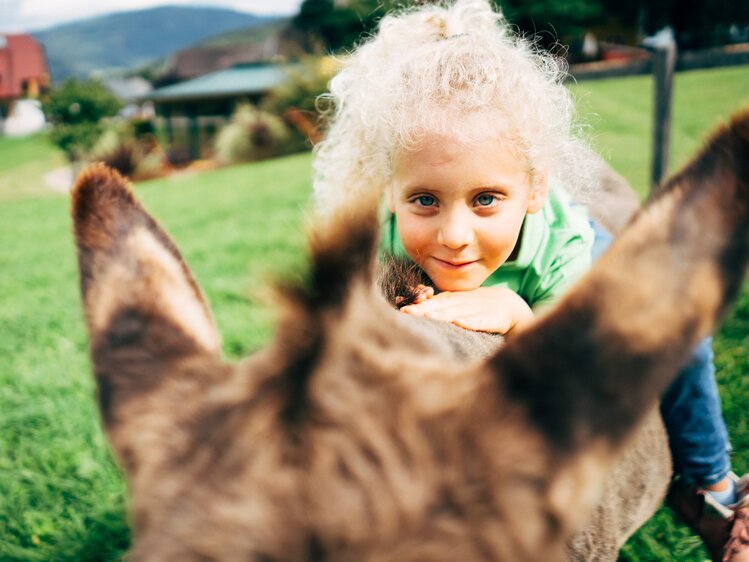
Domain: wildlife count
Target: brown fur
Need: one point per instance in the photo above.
(355, 435)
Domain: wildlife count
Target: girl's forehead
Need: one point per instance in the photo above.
(444, 164)
(461, 127)
(433, 123)
(441, 146)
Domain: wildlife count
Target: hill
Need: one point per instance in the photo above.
(251, 35)
(129, 39)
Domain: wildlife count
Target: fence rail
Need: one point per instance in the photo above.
(731, 55)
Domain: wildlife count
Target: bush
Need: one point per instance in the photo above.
(143, 128)
(178, 156)
(75, 140)
(251, 135)
(76, 110)
(136, 158)
(297, 99)
(300, 91)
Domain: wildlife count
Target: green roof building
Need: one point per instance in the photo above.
(208, 100)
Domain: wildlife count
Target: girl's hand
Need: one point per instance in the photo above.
(423, 292)
(486, 309)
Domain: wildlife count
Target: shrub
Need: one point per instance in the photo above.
(76, 110)
(75, 140)
(178, 156)
(304, 84)
(297, 99)
(135, 158)
(143, 128)
(251, 135)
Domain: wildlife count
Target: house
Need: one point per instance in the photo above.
(23, 67)
(198, 61)
(270, 42)
(130, 90)
(200, 105)
(23, 74)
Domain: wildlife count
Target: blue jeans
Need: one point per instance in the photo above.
(691, 409)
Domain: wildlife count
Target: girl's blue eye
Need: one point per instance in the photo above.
(426, 200)
(485, 200)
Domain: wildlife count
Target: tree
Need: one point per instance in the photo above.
(321, 21)
(696, 23)
(75, 110)
(340, 26)
(552, 21)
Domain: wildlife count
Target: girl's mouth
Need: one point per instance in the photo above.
(453, 265)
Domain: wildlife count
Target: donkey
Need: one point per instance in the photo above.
(355, 434)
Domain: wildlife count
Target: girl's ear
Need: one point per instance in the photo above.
(539, 190)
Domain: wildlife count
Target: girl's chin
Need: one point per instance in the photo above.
(456, 284)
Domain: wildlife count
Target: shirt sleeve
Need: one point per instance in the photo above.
(571, 263)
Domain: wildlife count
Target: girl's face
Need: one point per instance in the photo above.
(460, 208)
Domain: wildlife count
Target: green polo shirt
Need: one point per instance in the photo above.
(555, 250)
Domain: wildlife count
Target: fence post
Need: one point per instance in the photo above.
(664, 61)
(193, 134)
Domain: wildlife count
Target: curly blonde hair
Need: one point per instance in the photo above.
(453, 69)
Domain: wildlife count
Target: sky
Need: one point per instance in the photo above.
(32, 15)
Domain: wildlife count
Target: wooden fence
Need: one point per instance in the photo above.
(662, 62)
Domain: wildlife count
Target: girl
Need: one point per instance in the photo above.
(466, 132)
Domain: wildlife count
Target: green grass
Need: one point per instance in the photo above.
(61, 496)
(23, 163)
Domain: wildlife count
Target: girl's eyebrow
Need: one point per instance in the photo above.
(498, 187)
(411, 189)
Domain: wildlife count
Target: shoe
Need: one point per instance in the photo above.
(737, 546)
(709, 519)
(724, 530)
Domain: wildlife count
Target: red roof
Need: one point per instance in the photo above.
(21, 60)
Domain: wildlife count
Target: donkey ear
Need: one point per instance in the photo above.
(144, 311)
(591, 368)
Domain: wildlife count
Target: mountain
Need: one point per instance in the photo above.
(245, 35)
(129, 39)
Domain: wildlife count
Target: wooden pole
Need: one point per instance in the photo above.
(193, 133)
(664, 61)
(169, 126)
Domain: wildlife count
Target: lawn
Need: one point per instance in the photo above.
(23, 164)
(61, 496)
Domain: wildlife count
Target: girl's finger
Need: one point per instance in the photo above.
(426, 289)
(412, 310)
(423, 293)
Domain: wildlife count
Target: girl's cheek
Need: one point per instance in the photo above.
(414, 234)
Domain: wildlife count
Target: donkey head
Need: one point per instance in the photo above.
(356, 434)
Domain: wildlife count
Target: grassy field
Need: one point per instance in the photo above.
(61, 496)
(23, 164)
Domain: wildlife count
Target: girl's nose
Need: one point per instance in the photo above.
(455, 231)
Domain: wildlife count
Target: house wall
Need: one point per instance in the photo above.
(23, 67)
(5, 71)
